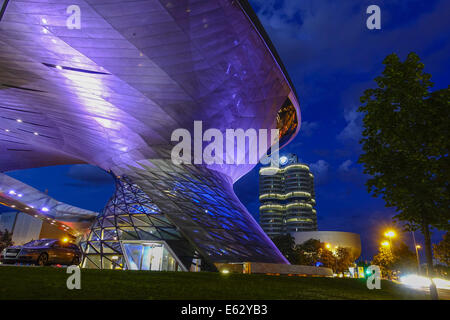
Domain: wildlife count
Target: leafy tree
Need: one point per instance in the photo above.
(327, 258)
(406, 146)
(286, 244)
(442, 249)
(5, 239)
(384, 259)
(308, 253)
(442, 271)
(344, 259)
(404, 259)
(398, 259)
(312, 251)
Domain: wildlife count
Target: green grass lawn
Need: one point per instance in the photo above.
(50, 283)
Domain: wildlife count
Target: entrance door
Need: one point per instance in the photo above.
(152, 256)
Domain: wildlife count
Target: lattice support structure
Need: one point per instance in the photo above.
(131, 219)
(190, 209)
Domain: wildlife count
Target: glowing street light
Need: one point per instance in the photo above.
(390, 234)
(417, 247)
(328, 246)
(417, 256)
(385, 244)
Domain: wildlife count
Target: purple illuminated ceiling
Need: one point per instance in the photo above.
(111, 93)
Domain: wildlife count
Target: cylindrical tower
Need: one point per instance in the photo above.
(287, 198)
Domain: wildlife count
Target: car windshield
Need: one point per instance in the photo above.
(39, 243)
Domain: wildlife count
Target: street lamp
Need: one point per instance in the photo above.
(390, 234)
(417, 256)
(417, 247)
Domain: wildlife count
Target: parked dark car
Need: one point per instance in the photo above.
(43, 252)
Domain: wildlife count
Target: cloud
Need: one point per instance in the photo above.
(320, 170)
(344, 167)
(326, 45)
(307, 128)
(351, 174)
(89, 174)
(351, 134)
(295, 27)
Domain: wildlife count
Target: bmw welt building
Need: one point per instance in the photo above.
(110, 90)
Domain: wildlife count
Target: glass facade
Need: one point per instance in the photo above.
(150, 256)
(188, 217)
(132, 233)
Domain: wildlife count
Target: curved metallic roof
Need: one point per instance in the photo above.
(245, 5)
(111, 93)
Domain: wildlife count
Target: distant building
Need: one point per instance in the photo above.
(287, 198)
(25, 228)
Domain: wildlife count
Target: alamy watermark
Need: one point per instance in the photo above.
(236, 146)
(374, 20)
(73, 281)
(74, 20)
(374, 280)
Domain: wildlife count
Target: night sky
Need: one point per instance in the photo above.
(332, 58)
